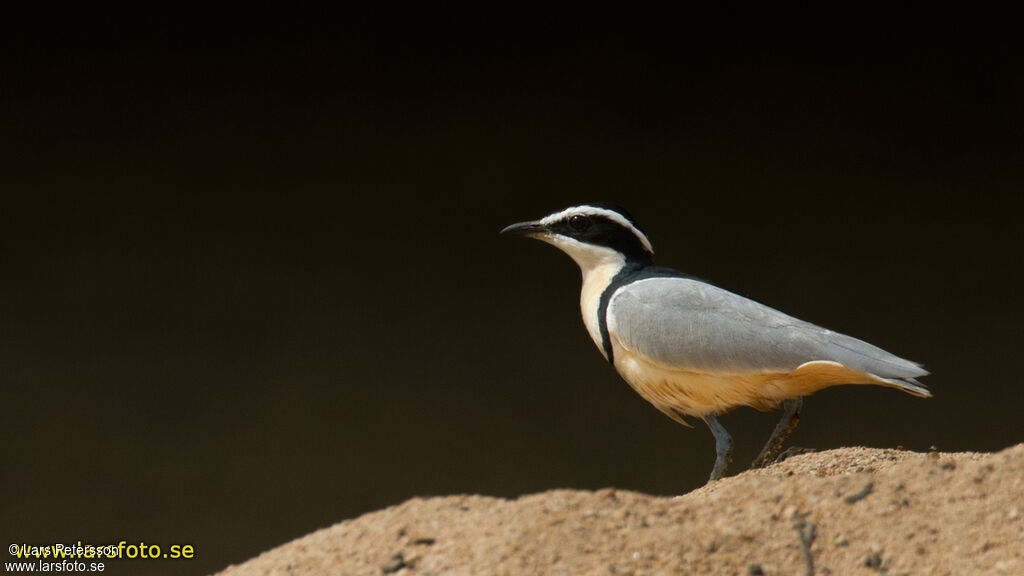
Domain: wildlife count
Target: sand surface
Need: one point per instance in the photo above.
(847, 511)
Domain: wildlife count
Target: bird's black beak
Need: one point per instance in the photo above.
(528, 229)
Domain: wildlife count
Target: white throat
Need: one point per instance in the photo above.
(598, 265)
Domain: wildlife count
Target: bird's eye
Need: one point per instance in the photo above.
(579, 222)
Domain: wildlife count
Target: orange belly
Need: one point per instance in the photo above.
(681, 392)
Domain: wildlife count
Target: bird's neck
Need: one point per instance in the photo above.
(596, 279)
(599, 265)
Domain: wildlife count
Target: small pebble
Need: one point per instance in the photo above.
(873, 561)
(396, 563)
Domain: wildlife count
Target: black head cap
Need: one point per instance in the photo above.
(597, 224)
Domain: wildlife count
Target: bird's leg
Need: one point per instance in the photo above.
(790, 418)
(723, 448)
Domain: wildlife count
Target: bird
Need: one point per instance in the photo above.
(695, 350)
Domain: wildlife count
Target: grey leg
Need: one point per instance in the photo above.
(790, 418)
(723, 448)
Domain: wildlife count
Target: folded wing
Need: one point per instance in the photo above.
(691, 325)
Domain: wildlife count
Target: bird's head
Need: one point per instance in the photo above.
(591, 234)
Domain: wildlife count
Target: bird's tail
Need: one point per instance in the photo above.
(908, 385)
(813, 376)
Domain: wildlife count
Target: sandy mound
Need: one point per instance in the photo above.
(847, 511)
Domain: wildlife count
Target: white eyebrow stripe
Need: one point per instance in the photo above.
(595, 211)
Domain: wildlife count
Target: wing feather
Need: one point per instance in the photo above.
(693, 325)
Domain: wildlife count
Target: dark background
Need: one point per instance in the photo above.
(252, 282)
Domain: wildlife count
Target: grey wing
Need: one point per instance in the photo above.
(690, 324)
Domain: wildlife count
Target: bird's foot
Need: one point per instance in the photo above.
(792, 451)
(721, 463)
(790, 418)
